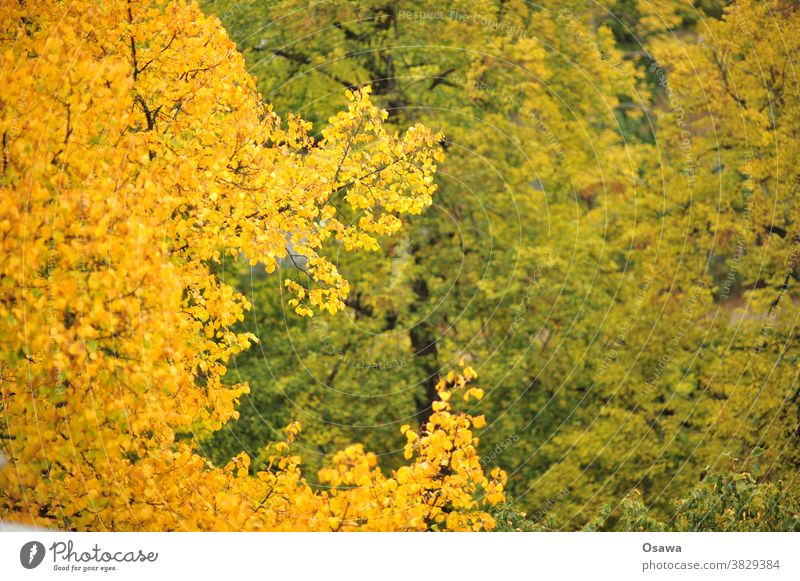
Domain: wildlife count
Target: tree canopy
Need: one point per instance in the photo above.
(610, 245)
(138, 157)
(373, 239)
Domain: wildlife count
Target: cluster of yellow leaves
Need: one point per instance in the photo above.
(136, 154)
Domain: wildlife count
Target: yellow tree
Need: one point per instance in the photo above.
(137, 157)
(737, 81)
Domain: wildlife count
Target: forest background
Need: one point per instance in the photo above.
(581, 217)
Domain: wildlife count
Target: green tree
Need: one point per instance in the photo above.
(599, 221)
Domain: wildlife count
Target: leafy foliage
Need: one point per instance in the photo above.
(726, 502)
(612, 243)
(138, 156)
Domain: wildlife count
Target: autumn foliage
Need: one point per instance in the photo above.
(137, 158)
(613, 246)
(204, 243)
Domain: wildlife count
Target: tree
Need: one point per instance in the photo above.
(594, 227)
(138, 159)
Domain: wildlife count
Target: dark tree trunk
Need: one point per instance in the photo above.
(423, 345)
